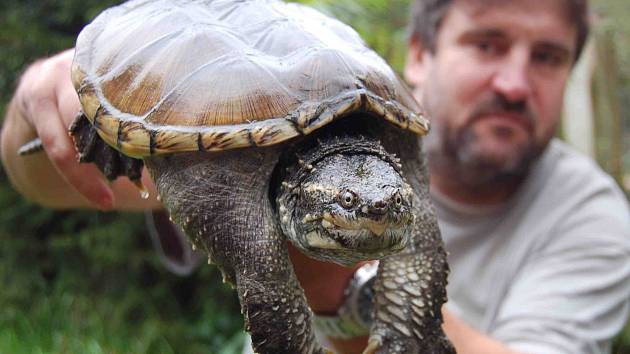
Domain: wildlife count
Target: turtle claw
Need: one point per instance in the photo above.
(144, 192)
(373, 346)
(393, 343)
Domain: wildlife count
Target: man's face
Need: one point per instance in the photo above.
(494, 84)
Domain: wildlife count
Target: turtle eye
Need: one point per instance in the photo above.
(347, 199)
(397, 200)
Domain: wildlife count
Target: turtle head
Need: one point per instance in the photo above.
(347, 207)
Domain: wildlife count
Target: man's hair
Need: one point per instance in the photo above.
(427, 16)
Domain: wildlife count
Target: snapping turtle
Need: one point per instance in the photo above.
(259, 122)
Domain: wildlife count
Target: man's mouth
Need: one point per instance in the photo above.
(506, 124)
(502, 111)
(512, 117)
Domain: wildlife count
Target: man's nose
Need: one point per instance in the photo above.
(512, 78)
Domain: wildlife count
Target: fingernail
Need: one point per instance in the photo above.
(106, 202)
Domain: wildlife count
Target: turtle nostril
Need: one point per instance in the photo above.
(378, 207)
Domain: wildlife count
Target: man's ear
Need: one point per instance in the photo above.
(415, 65)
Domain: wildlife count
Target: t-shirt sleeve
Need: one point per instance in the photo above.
(571, 296)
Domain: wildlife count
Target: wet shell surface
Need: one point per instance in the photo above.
(158, 77)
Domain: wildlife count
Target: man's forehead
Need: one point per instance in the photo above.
(546, 21)
(560, 8)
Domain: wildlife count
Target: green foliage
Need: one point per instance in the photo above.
(612, 16)
(382, 24)
(613, 143)
(32, 29)
(89, 282)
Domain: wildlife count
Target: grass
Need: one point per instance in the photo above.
(89, 282)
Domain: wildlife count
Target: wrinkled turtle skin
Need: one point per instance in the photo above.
(259, 122)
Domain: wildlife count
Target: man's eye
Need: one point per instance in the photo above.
(489, 47)
(484, 46)
(549, 58)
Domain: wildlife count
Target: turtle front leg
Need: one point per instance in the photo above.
(222, 203)
(272, 301)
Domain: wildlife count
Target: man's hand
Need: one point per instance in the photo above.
(44, 105)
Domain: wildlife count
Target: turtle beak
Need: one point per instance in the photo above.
(377, 228)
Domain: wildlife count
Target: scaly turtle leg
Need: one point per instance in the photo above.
(411, 287)
(408, 302)
(221, 201)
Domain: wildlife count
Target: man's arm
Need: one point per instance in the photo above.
(44, 105)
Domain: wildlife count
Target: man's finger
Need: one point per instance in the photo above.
(86, 179)
(67, 98)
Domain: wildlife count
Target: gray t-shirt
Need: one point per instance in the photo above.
(549, 271)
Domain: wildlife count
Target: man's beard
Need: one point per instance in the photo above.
(461, 152)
